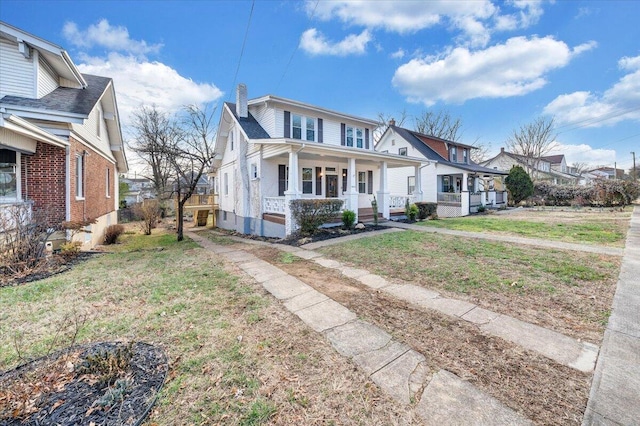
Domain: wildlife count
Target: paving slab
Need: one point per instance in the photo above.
(306, 254)
(350, 272)
(262, 271)
(357, 337)
(239, 256)
(370, 362)
(304, 300)
(373, 281)
(556, 346)
(480, 316)
(325, 315)
(286, 287)
(411, 293)
(614, 397)
(449, 400)
(447, 306)
(327, 263)
(403, 377)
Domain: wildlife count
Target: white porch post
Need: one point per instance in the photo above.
(291, 193)
(352, 190)
(383, 193)
(419, 196)
(464, 195)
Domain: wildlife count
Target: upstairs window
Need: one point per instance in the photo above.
(465, 156)
(402, 151)
(359, 137)
(453, 154)
(355, 137)
(231, 140)
(349, 137)
(80, 176)
(303, 128)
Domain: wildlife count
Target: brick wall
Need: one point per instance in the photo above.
(43, 180)
(95, 202)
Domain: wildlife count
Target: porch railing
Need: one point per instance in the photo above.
(400, 201)
(449, 197)
(475, 199)
(273, 205)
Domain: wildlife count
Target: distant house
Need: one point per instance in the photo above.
(448, 176)
(61, 148)
(274, 150)
(548, 168)
(140, 189)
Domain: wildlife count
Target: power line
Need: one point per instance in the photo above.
(286, 68)
(593, 120)
(244, 42)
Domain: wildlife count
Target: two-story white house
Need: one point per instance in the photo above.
(61, 147)
(272, 150)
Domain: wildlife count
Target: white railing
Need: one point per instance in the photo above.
(273, 205)
(475, 199)
(449, 197)
(400, 201)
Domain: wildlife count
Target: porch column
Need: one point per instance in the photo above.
(383, 193)
(352, 190)
(464, 195)
(419, 196)
(291, 193)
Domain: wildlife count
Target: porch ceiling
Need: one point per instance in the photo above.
(332, 153)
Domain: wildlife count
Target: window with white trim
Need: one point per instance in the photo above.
(402, 151)
(465, 156)
(362, 182)
(411, 185)
(307, 180)
(80, 176)
(231, 140)
(9, 175)
(354, 136)
(453, 154)
(303, 128)
(108, 183)
(254, 171)
(226, 184)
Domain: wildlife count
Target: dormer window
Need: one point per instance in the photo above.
(453, 154)
(465, 156)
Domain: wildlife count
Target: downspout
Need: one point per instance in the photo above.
(67, 203)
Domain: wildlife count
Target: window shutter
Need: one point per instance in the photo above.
(370, 182)
(287, 124)
(318, 180)
(366, 139)
(343, 132)
(320, 133)
(282, 179)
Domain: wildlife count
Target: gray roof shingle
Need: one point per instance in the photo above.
(250, 125)
(65, 99)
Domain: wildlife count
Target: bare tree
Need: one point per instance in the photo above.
(532, 141)
(191, 156)
(154, 131)
(481, 151)
(441, 125)
(383, 123)
(579, 168)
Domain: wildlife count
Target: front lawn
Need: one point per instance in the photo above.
(236, 356)
(570, 292)
(603, 228)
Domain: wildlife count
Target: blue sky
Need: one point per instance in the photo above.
(495, 65)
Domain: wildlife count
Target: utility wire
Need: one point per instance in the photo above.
(593, 120)
(286, 68)
(244, 42)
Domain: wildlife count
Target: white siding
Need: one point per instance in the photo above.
(266, 117)
(47, 78)
(17, 74)
(89, 132)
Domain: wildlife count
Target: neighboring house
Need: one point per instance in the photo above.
(448, 176)
(542, 169)
(273, 150)
(61, 147)
(140, 189)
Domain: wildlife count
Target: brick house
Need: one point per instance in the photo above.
(61, 147)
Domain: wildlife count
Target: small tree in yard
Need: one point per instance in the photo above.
(519, 184)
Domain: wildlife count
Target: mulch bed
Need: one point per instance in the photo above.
(84, 385)
(53, 265)
(323, 234)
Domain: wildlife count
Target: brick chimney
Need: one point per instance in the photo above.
(241, 101)
(392, 122)
(501, 150)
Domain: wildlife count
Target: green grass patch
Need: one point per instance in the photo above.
(603, 232)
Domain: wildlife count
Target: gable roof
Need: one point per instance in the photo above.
(65, 99)
(553, 159)
(250, 125)
(416, 140)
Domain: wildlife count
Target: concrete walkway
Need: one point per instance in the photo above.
(615, 390)
(613, 251)
(397, 369)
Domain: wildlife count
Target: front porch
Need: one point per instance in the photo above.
(463, 194)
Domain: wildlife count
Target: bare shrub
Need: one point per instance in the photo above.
(149, 211)
(310, 214)
(23, 234)
(112, 233)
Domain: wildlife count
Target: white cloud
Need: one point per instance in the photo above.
(514, 68)
(475, 20)
(618, 103)
(314, 42)
(584, 153)
(148, 83)
(398, 54)
(114, 38)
